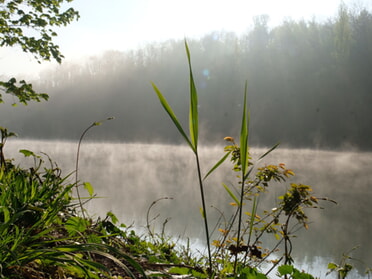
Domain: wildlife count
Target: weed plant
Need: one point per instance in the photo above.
(45, 231)
(239, 252)
(43, 236)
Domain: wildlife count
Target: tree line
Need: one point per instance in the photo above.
(309, 86)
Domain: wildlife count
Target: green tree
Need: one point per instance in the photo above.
(31, 26)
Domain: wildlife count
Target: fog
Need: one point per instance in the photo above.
(308, 86)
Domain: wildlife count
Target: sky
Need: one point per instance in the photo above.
(129, 24)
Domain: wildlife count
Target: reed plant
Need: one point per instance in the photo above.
(192, 141)
(238, 253)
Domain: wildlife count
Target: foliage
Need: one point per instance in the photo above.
(248, 253)
(41, 233)
(192, 141)
(30, 25)
(288, 215)
(290, 272)
(343, 268)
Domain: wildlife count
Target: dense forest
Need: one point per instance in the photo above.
(309, 85)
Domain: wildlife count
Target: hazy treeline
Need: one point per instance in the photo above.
(309, 85)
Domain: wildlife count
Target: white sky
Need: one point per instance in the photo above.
(127, 24)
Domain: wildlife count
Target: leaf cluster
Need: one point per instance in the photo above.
(296, 197)
(22, 90)
(31, 25)
(20, 20)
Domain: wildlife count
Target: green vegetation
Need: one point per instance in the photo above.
(192, 142)
(239, 251)
(45, 231)
(30, 26)
(41, 233)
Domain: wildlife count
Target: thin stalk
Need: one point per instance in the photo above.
(77, 168)
(77, 163)
(148, 215)
(239, 221)
(244, 159)
(204, 211)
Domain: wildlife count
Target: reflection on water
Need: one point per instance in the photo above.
(129, 177)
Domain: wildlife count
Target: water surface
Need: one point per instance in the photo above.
(129, 177)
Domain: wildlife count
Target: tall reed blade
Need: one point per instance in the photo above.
(172, 116)
(269, 151)
(244, 152)
(231, 194)
(193, 115)
(244, 159)
(223, 159)
(192, 140)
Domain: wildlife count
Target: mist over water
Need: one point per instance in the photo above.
(129, 177)
(308, 87)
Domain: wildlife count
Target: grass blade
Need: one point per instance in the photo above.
(172, 115)
(269, 151)
(231, 194)
(193, 115)
(217, 164)
(244, 153)
(244, 159)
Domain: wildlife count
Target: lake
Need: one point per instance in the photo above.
(129, 177)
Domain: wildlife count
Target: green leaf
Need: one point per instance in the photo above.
(89, 188)
(244, 152)
(285, 270)
(193, 115)
(172, 115)
(113, 217)
(75, 224)
(332, 266)
(217, 164)
(27, 153)
(231, 194)
(179, 270)
(6, 214)
(251, 273)
(269, 151)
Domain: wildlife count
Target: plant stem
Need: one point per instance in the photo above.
(77, 161)
(204, 212)
(239, 220)
(77, 168)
